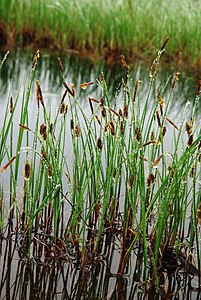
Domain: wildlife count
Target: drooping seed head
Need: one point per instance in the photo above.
(103, 112)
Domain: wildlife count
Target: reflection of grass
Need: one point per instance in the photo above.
(119, 185)
(124, 25)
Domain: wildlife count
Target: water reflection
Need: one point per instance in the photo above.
(77, 71)
(45, 276)
(60, 279)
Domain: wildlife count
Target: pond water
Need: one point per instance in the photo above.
(22, 279)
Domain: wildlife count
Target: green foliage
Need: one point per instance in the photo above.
(109, 25)
(119, 180)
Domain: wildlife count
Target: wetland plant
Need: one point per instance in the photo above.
(121, 188)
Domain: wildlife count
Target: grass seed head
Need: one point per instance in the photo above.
(192, 172)
(158, 118)
(122, 127)
(11, 104)
(190, 140)
(150, 180)
(51, 127)
(71, 124)
(27, 171)
(176, 78)
(131, 181)
(60, 65)
(44, 154)
(126, 111)
(164, 131)
(36, 57)
(43, 131)
(63, 109)
(103, 112)
(50, 171)
(39, 96)
(138, 134)
(120, 113)
(135, 90)
(99, 144)
(77, 130)
(189, 127)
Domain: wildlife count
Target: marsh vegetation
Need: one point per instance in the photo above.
(121, 200)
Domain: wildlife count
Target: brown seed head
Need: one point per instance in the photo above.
(158, 118)
(138, 134)
(43, 131)
(27, 171)
(36, 57)
(11, 104)
(126, 111)
(122, 129)
(44, 154)
(50, 171)
(71, 124)
(176, 78)
(51, 127)
(77, 130)
(131, 181)
(60, 65)
(164, 131)
(115, 173)
(99, 143)
(39, 96)
(190, 140)
(102, 78)
(103, 112)
(164, 45)
(192, 172)
(110, 126)
(150, 180)
(124, 63)
(62, 108)
(135, 90)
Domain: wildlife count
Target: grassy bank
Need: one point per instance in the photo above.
(106, 27)
(120, 187)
